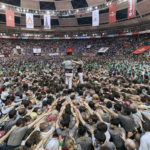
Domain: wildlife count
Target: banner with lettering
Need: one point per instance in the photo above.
(10, 19)
(29, 21)
(132, 9)
(112, 14)
(95, 18)
(47, 21)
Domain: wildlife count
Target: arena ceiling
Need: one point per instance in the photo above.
(77, 22)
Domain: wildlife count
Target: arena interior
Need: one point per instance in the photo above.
(74, 74)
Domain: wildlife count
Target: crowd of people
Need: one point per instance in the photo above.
(116, 46)
(108, 110)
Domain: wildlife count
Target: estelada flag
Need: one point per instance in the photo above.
(141, 49)
(10, 19)
(132, 9)
(112, 14)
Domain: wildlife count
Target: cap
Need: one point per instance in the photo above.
(33, 115)
(52, 117)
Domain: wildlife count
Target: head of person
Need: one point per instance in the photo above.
(102, 127)
(114, 123)
(82, 131)
(22, 112)
(33, 116)
(12, 114)
(117, 107)
(34, 139)
(37, 110)
(126, 111)
(52, 118)
(44, 127)
(64, 124)
(92, 119)
(146, 126)
(70, 143)
(130, 144)
(109, 104)
(20, 122)
(28, 120)
(4, 88)
(27, 104)
(100, 137)
(92, 105)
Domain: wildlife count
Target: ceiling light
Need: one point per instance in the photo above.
(3, 6)
(48, 12)
(18, 9)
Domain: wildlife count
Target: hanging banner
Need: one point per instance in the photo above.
(141, 49)
(95, 18)
(10, 19)
(37, 50)
(132, 9)
(29, 21)
(112, 14)
(103, 49)
(47, 21)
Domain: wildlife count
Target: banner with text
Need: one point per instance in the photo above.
(47, 21)
(29, 21)
(10, 19)
(95, 18)
(112, 14)
(36, 50)
(132, 9)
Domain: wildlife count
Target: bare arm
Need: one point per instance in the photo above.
(146, 116)
(111, 112)
(76, 62)
(7, 135)
(80, 117)
(88, 108)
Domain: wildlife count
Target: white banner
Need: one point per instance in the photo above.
(95, 18)
(29, 21)
(53, 54)
(103, 50)
(88, 46)
(37, 50)
(47, 21)
(2, 56)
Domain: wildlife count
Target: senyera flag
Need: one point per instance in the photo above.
(10, 19)
(132, 9)
(112, 14)
(141, 49)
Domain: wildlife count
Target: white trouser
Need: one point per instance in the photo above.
(68, 80)
(80, 77)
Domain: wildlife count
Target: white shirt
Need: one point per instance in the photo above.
(145, 142)
(4, 95)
